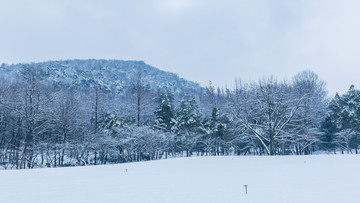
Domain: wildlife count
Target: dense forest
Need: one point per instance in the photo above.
(88, 112)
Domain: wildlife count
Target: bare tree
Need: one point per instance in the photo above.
(266, 110)
(312, 91)
(35, 100)
(142, 95)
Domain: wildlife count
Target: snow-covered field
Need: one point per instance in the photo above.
(287, 179)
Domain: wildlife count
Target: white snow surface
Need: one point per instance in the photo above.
(287, 179)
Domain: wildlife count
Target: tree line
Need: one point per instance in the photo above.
(51, 124)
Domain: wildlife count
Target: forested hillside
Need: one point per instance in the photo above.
(110, 75)
(81, 112)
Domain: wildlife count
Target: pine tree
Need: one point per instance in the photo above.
(187, 116)
(164, 112)
(344, 116)
(187, 124)
(215, 128)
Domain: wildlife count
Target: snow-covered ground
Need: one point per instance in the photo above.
(287, 179)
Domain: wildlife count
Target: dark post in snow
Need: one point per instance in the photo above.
(245, 188)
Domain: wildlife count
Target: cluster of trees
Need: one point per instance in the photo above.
(52, 124)
(342, 123)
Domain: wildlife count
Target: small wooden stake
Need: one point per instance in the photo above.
(245, 188)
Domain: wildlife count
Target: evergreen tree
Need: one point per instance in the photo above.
(329, 128)
(344, 119)
(164, 112)
(187, 124)
(215, 128)
(187, 116)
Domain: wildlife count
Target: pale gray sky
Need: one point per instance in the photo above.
(200, 40)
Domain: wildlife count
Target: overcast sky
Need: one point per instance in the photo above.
(200, 40)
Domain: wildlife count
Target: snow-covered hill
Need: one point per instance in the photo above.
(285, 179)
(115, 75)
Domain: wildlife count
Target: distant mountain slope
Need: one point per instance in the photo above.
(109, 74)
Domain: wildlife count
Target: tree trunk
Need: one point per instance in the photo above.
(22, 165)
(271, 143)
(138, 107)
(95, 158)
(96, 109)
